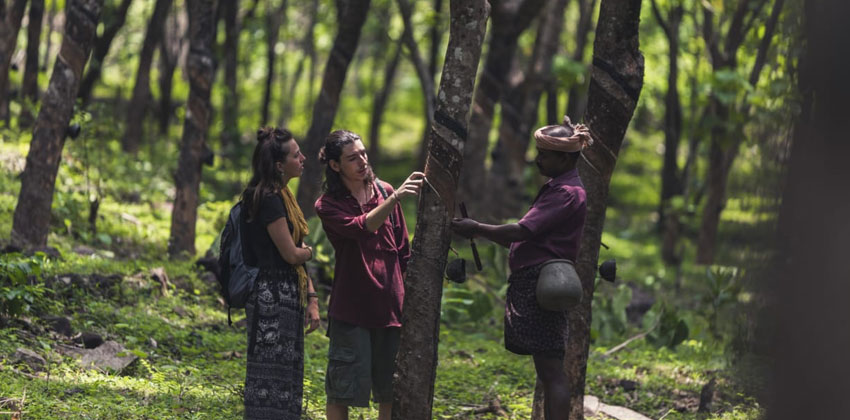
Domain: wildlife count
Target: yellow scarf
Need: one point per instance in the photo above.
(299, 231)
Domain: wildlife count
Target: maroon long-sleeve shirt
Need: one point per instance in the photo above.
(368, 287)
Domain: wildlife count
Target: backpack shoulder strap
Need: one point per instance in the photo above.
(385, 195)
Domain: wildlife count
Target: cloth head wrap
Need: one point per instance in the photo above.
(577, 142)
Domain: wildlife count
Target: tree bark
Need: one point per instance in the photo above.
(140, 101)
(29, 84)
(351, 16)
(520, 104)
(725, 143)
(510, 18)
(38, 181)
(577, 95)
(416, 362)
(616, 81)
(379, 105)
(10, 24)
(113, 20)
(193, 148)
(230, 105)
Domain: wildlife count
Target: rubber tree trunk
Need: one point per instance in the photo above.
(140, 101)
(230, 105)
(809, 380)
(510, 18)
(519, 114)
(193, 148)
(616, 81)
(29, 84)
(351, 15)
(379, 105)
(577, 96)
(416, 362)
(38, 181)
(11, 15)
(114, 20)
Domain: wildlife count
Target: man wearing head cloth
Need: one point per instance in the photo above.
(551, 229)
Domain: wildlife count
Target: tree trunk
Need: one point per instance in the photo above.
(169, 52)
(47, 44)
(436, 35)
(114, 20)
(416, 363)
(230, 105)
(671, 176)
(32, 213)
(10, 24)
(193, 148)
(808, 286)
(510, 19)
(308, 52)
(274, 17)
(379, 105)
(616, 80)
(519, 116)
(314, 14)
(426, 78)
(725, 142)
(351, 15)
(577, 96)
(29, 84)
(720, 160)
(140, 101)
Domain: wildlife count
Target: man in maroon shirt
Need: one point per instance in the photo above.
(365, 224)
(551, 229)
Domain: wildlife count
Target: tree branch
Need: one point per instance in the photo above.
(764, 46)
(660, 18)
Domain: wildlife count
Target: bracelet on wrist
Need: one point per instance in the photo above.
(312, 295)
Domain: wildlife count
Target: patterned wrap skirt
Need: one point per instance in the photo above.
(275, 374)
(530, 329)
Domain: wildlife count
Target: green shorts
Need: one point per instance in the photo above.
(360, 361)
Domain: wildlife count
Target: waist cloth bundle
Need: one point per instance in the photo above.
(530, 329)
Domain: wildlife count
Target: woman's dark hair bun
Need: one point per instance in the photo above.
(264, 133)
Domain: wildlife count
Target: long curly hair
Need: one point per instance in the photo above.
(273, 145)
(332, 150)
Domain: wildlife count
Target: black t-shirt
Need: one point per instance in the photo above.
(257, 246)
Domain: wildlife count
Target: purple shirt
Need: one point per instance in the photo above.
(556, 222)
(368, 287)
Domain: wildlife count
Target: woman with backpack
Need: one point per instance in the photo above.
(365, 224)
(273, 227)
